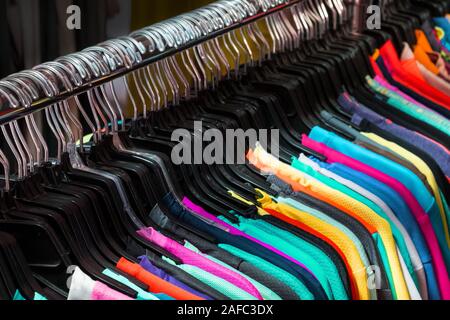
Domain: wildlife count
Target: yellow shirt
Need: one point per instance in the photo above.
(268, 163)
(341, 240)
(423, 168)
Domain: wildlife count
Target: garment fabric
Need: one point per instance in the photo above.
(399, 173)
(381, 70)
(82, 287)
(145, 263)
(267, 163)
(396, 202)
(423, 167)
(222, 236)
(194, 208)
(410, 80)
(191, 258)
(310, 173)
(424, 67)
(141, 294)
(413, 253)
(419, 112)
(154, 283)
(188, 280)
(317, 261)
(396, 158)
(421, 217)
(225, 287)
(265, 292)
(360, 113)
(301, 292)
(37, 297)
(364, 241)
(335, 236)
(212, 250)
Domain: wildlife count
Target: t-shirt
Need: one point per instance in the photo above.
(141, 294)
(205, 246)
(424, 168)
(266, 293)
(314, 259)
(420, 215)
(82, 287)
(396, 202)
(392, 61)
(310, 172)
(413, 253)
(154, 283)
(364, 242)
(396, 171)
(296, 285)
(191, 258)
(361, 113)
(419, 112)
(298, 181)
(145, 263)
(222, 236)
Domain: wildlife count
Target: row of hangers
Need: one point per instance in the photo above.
(83, 204)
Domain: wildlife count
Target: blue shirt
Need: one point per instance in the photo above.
(401, 210)
(395, 170)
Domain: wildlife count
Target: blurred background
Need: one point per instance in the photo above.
(34, 31)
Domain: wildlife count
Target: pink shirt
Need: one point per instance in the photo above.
(192, 258)
(422, 218)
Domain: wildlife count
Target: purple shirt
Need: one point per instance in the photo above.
(360, 112)
(192, 258)
(148, 266)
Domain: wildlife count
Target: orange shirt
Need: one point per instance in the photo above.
(304, 189)
(302, 226)
(155, 284)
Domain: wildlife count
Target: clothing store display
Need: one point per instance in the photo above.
(252, 153)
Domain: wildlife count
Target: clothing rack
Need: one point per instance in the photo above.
(348, 201)
(8, 113)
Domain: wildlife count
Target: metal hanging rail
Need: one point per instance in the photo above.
(8, 114)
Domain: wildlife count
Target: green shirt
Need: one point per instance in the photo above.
(395, 232)
(265, 292)
(312, 257)
(423, 114)
(297, 286)
(221, 285)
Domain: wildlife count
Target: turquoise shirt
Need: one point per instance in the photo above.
(296, 285)
(313, 258)
(18, 296)
(37, 297)
(265, 292)
(394, 170)
(221, 285)
(358, 197)
(423, 114)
